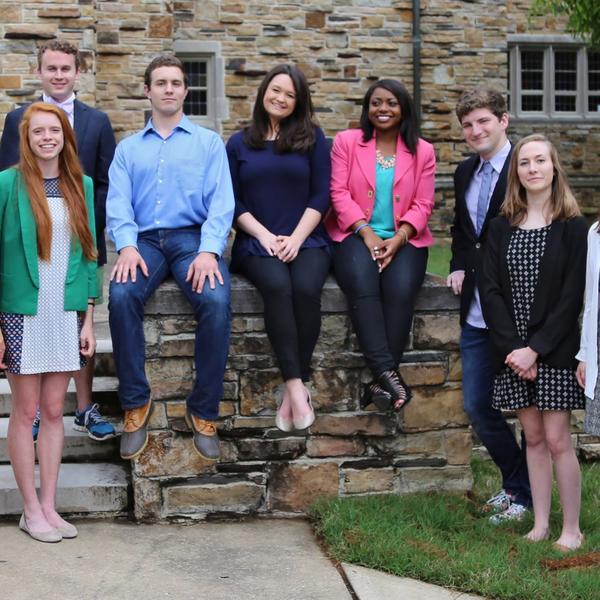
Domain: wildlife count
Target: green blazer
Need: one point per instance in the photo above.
(19, 276)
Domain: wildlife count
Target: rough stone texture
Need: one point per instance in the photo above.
(346, 451)
(294, 487)
(341, 46)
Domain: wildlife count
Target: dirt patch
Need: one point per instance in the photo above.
(581, 561)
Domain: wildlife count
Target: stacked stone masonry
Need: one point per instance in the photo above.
(347, 451)
(342, 46)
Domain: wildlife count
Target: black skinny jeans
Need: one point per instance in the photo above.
(291, 294)
(381, 305)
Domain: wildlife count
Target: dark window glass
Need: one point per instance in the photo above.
(531, 103)
(196, 73)
(594, 103)
(565, 70)
(565, 103)
(594, 71)
(532, 69)
(195, 103)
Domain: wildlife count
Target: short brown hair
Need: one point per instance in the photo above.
(59, 46)
(163, 60)
(562, 201)
(480, 97)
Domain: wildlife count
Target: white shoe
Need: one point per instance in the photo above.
(499, 502)
(515, 512)
(308, 419)
(50, 536)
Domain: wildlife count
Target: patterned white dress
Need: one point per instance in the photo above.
(48, 341)
(553, 388)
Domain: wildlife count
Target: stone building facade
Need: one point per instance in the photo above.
(342, 46)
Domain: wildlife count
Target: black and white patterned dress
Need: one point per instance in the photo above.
(48, 341)
(553, 388)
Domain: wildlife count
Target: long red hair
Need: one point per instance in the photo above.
(70, 183)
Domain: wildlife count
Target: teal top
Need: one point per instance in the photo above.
(382, 219)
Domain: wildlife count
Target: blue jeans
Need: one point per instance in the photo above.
(489, 424)
(171, 251)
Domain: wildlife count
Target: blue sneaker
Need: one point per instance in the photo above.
(35, 427)
(92, 422)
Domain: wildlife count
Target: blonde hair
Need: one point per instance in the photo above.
(562, 201)
(70, 183)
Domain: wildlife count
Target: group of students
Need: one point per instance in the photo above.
(174, 191)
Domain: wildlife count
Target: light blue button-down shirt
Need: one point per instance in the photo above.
(475, 315)
(179, 181)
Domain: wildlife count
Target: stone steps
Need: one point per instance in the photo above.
(79, 447)
(104, 387)
(91, 488)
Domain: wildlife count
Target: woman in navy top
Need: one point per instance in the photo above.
(280, 169)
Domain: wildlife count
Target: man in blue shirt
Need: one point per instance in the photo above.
(169, 211)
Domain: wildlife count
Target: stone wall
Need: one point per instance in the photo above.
(346, 452)
(341, 45)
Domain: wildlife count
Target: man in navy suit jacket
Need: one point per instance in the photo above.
(480, 187)
(58, 70)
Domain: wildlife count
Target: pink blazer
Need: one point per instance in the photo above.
(353, 186)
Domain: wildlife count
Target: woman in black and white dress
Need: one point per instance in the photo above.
(532, 292)
(47, 291)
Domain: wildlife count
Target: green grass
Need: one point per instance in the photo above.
(445, 539)
(439, 260)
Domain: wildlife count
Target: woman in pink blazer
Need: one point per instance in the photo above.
(382, 194)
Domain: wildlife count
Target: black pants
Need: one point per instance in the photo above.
(381, 305)
(291, 294)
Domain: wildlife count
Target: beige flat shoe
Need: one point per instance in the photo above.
(67, 531)
(51, 536)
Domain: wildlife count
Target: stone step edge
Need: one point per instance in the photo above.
(100, 384)
(68, 424)
(79, 486)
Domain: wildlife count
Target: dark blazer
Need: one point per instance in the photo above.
(553, 330)
(95, 146)
(467, 246)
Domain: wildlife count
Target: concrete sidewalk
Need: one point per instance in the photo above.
(257, 559)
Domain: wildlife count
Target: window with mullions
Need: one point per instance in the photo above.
(556, 80)
(196, 102)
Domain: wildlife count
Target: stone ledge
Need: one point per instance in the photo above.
(245, 298)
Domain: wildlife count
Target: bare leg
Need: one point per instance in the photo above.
(540, 470)
(568, 475)
(83, 384)
(50, 443)
(25, 390)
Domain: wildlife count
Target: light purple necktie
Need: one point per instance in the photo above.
(484, 193)
(67, 106)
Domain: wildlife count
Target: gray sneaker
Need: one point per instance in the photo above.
(135, 431)
(515, 512)
(206, 440)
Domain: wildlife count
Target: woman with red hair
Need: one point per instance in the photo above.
(47, 291)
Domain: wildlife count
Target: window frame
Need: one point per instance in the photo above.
(549, 45)
(216, 103)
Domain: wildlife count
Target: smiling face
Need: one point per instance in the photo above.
(279, 100)
(58, 74)
(45, 136)
(535, 168)
(484, 132)
(167, 91)
(385, 113)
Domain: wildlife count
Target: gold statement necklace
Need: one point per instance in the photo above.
(386, 163)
